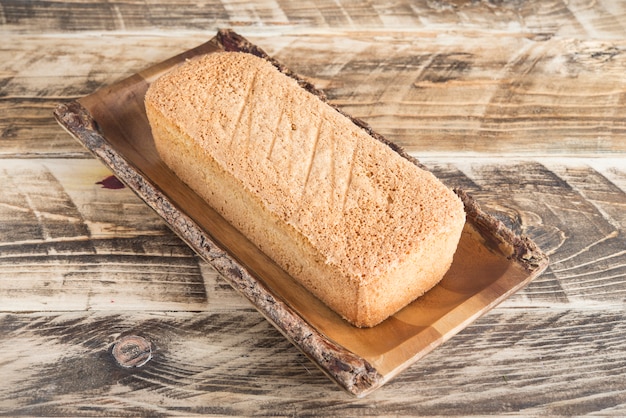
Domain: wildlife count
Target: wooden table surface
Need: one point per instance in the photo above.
(522, 103)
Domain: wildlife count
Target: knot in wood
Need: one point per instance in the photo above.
(132, 351)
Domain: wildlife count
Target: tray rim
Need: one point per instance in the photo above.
(350, 371)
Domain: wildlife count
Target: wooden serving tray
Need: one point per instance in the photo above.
(491, 263)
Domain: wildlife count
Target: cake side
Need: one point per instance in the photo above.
(372, 230)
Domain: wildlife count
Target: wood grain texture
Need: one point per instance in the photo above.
(543, 200)
(67, 227)
(430, 94)
(573, 312)
(600, 19)
(438, 93)
(520, 102)
(511, 361)
(431, 88)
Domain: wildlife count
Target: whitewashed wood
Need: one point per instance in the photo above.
(602, 19)
(106, 249)
(511, 361)
(429, 92)
(551, 71)
(568, 207)
(67, 243)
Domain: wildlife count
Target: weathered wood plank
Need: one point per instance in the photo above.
(68, 243)
(600, 19)
(474, 95)
(585, 236)
(235, 363)
(431, 93)
(72, 244)
(38, 72)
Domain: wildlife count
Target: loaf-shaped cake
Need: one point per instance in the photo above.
(364, 229)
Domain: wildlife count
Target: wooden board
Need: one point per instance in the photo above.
(492, 262)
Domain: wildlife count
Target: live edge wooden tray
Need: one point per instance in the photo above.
(491, 263)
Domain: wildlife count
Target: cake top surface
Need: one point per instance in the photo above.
(360, 203)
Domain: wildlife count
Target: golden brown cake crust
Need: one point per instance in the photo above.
(353, 206)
